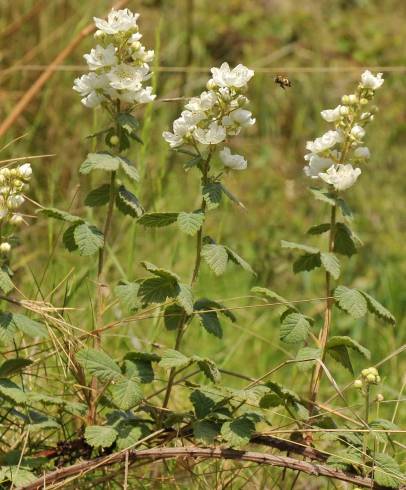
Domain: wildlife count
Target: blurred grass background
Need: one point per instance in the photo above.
(322, 46)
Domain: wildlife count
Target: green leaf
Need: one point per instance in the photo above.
(129, 169)
(99, 196)
(319, 229)
(158, 271)
(173, 359)
(8, 328)
(309, 353)
(174, 317)
(157, 220)
(294, 328)
(351, 301)
(192, 162)
(232, 197)
(157, 290)
(205, 431)
(100, 161)
(99, 364)
(185, 297)
(19, 476)
(190, 223)
(127, 392)
(340, 354)
(141, 368)
(299, 246)
(128, 203)
(378, 310)
(209, 319)
(212, 194)
(6, 284)
(387, 471)
(60, 215)
(306, 262)
(127, 436)
(10, 367)
(345, 208)
(269, 294)
(350, 343)
(208, 367)
(88, 239)
(238, 432)
(127, 293)
(12, 391)
(203, 403)
(68, 239)
(128, 122)
(216, 257)
(331, 264)
(382, 424)
(322, 195)
(344, 240)
(28, 326)
(239, 260)
(100, 435)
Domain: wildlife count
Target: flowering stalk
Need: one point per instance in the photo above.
(119, 68)
(201, 131)
(332, 159)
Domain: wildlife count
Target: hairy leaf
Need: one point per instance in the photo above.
(60, 215)
(238, 432)
(28, 326)
(269, 294)
(99, 196)
(127, 392)
(100, 435)
(129, 169)
(216, 257)
(128, 203)
(351, 301)
(12, 391)
(190, 223)
(173, 359)
(157, 220)
(100, 161)
(299, 246)
(387, 471)
(88, 239)
(212, 194)
(378, 310)
(10, 367)
(99, 364)
(306, 262)
(294, 328)
(344, 240)
(239, 260)
(185, 297)
(205, 431)
(173, 317)
(127, 293)
(6, 284)
(306, 357)
(331, 263)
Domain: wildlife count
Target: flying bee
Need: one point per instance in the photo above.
(282, 81)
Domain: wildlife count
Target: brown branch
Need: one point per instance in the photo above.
(155, 454)
(46, 75)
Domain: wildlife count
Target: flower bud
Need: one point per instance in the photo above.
(373, 371)
(136, 45)
(25, 171)
(377, 379)
(211, 84)
(352, 99)
(371, 378)
(363, 101)
(380, 397)
(365, 372)
(358, 384)
(242, 100)
(6, 172)
(16, 219)
(114, 140)
(5, 247)
(344, 110)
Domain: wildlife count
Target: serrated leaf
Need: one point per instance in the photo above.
(238, 432)
(68, 239)
(100, 435)
(209, 319)
(127, 293)
(344, 459)
(28, 326)
(203, 403)
(99, 196)
(100, 161)
(99, 364)
(6, 284)
(299, 246)
(19, 476)
(340, 354)
(205, 431)
(234, 257)
(306, 262)
(12, 391)
(173, 359)
(127, 392)
(140, 368)
(331, 263)
(322, 195)
(351, 301)
(7, 327)
(88, 239)
(350, 343)
(129, 169)
(128, 203)
(216, 257)
(190, 223)
(10, 367)
(157, 220)
(387, 471)
(128, 122)
(128, 435)
(174, 317)
(378, 310)
(382, 424)
(158, 271)
(209, 368)
(319, 229)
(157, 290)
(185, 297)
(192, 162)
(212, 194)
(344, 240)
(307, 357)
(294, 328)
(269, 294)
(60, 215)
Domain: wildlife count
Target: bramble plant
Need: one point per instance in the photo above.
(158, 402)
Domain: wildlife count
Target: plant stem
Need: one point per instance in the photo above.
(366, 434)
(198, 259)
(324, 333)
(100, 303)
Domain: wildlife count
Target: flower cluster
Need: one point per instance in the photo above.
(119, 65)
(12, 184)
(216, 114)
(332, 157)
(368, 376)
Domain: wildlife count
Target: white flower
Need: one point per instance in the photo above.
(362, 152)
(127, 77)
(358, 132)
(331, 115)
(203, 103)
(182, 126)
(142, 96)
(117, 21)
(142, 55)
(325, 142)
(236, 162)
(316, 165)
(370, 81)
(213, 135)
(341, 176)
(100, 57)
(237, 77)
(90, 87)
(5, 247)
(25, 171)
(237, 119)
(15, 201)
